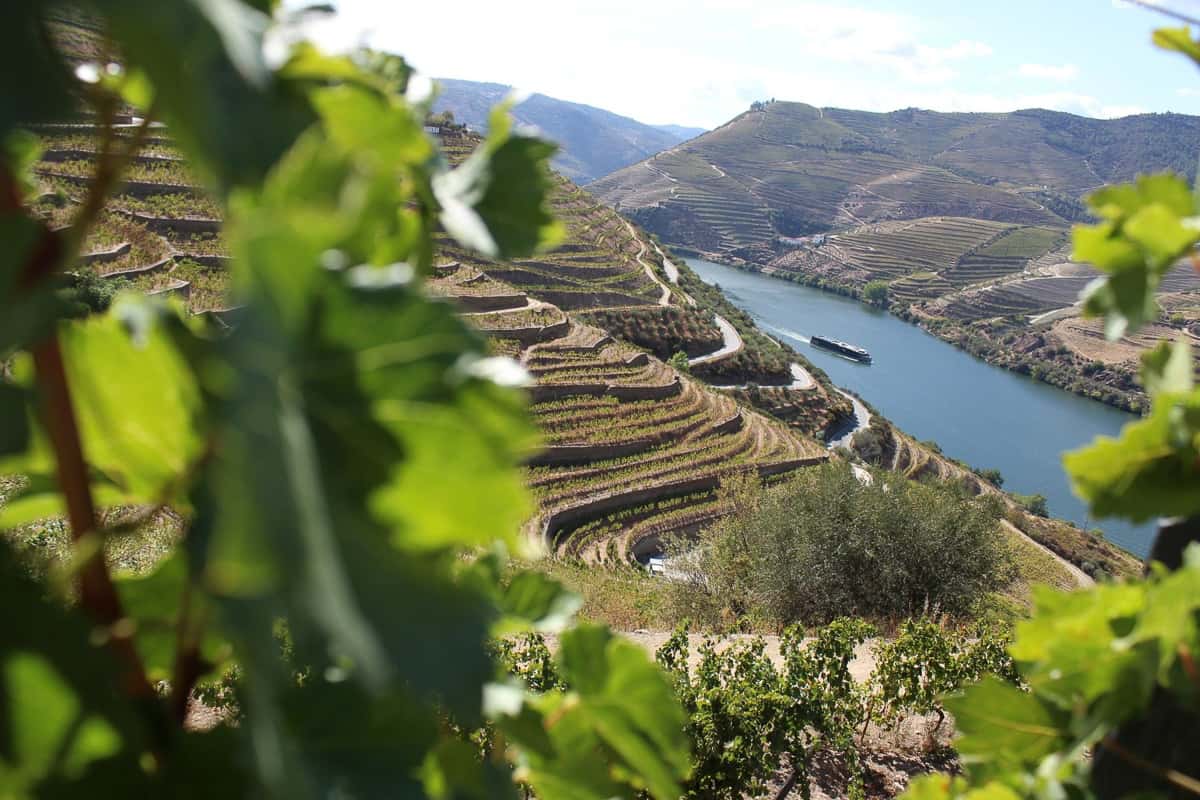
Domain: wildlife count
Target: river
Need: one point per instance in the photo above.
(982, 415)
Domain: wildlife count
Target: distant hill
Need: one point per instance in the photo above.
(789, 169)
(594, 142)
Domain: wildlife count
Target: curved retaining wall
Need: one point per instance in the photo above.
(490, 302)
(132, 188)
(165, 225)
(102, 256)
(568, 455)
(555, 522)
(137, 272)
(208, 261)
(532, 335)
(75, 154)
(543, 393)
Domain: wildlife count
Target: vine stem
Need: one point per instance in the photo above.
(97, 594)
(1171, 776)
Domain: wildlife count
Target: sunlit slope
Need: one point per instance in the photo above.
(790, 169)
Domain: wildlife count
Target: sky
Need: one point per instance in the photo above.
(702, 62)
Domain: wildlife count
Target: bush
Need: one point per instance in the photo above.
(992, 476)
(825, 545)
(679, 361)
(876, 293)
(1033, 503)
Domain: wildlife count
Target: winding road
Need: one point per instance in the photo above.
(733, 343)
(862, 418)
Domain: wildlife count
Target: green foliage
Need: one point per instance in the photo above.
(679, 361)
(826, 543)
(341, 460)
(925, 662)
(1091, 661)
(1033, 503)
(876, 293)
(1109, 704)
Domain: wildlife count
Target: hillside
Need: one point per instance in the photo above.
(594, 142)
(635, 450)
(790, 170)
(963, 217)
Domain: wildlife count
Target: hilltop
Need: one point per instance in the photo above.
(959, 222)
(594, 142)
(790, 170)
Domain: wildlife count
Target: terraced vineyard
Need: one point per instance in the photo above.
(163, 236)
(633, 449)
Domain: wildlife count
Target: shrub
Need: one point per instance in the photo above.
(876, 293)
(825, 544)
(1033, 503)
(992, 476)
(679, 361)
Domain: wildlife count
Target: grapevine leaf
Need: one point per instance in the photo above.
(1169, 619)
(533, 601)
(494, 201)
(137, 406)
(60, 708)
(1147, 227)
(624, 702)
(206, 61)
(1151, 470)
(1178, 39)
(1168, 369)
(999, 722)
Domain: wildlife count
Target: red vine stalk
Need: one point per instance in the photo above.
(97, 595)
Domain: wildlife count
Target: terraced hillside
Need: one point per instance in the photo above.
(963, 217)
(635, 450)
(790, 170)
(633, 447)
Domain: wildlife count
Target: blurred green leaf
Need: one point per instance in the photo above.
(14, 434)
(1148, 226)
(61, 707)
(1168, 368)
(137, 406)
(495, 201)
(1151, 470)
(998, 722)
(616, 700)
(205, 59)
(1178, 39)
(36, 83)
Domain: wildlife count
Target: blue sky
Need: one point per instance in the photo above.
(700, 62)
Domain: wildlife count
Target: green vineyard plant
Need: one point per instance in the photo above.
(1109, 702)
(344, 462)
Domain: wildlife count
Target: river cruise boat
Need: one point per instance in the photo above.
(842, 348)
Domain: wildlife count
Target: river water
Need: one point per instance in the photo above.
(982, 415)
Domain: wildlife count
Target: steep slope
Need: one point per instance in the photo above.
(789, 169)
(962, 217)
(594, 142)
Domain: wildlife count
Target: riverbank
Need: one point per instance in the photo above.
(1059, 369)
(979, 415)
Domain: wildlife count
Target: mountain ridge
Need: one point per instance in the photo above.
(594, 141)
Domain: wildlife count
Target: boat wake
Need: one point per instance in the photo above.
(786, 333)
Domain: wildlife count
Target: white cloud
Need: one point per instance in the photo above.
(1060, 72)
(700, 62)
